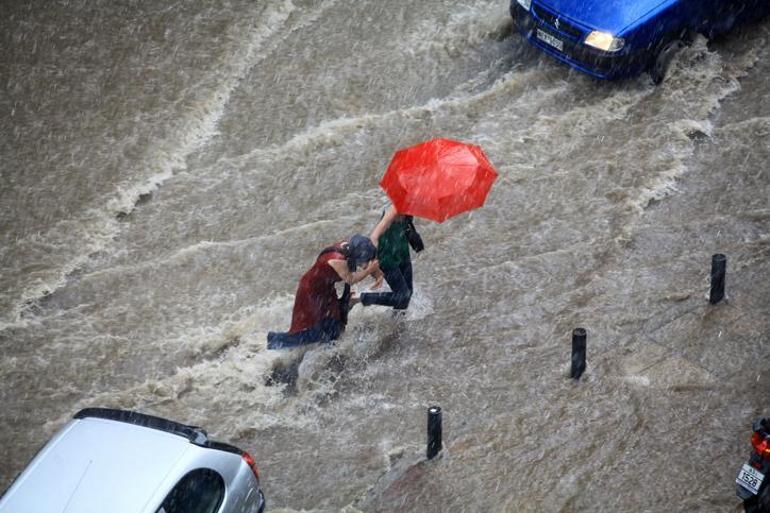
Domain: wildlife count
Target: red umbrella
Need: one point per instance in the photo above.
(438, 179)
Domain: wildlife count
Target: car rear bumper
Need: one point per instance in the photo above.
(598, 64)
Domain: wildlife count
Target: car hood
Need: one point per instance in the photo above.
(608, 15)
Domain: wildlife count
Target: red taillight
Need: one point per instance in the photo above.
(761, 445)
(251, 463)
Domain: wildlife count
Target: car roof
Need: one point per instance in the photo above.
(107, 462)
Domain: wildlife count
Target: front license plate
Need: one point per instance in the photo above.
(750, 478)
(548, 38)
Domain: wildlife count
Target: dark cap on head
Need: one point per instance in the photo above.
(360, 251)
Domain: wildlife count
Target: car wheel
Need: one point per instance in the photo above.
(663, 58)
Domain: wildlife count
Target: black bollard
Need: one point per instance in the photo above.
(718, 272)
(434, 431)
(578, 353)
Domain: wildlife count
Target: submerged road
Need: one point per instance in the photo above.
(169, 171)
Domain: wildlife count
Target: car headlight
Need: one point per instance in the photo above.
(525, 3)
(605, 41)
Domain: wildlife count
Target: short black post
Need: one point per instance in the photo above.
(578, 353)
(434, 431)
(718, 272)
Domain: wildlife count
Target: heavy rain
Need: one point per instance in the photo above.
(171, 169)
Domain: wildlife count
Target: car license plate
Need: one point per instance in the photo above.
(750, 478)
(548, 38)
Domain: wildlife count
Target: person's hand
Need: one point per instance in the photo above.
(378, 277)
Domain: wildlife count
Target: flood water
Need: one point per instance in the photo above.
(170, 169)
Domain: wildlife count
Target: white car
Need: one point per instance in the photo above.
(119, 461)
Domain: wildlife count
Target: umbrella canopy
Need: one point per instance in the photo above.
(438, 179)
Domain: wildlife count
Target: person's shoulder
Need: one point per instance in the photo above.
(337, 264)
(332, 255)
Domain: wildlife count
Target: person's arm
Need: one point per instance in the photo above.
(383, 225)
(341, 266)
(378, 276)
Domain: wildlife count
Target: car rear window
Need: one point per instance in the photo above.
(199, 491)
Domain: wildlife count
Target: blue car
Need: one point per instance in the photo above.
(611, 39)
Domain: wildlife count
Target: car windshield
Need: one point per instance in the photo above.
(200, 491)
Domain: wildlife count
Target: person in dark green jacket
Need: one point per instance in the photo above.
(390, 237)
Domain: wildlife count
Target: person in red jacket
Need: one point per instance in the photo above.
(318, 314)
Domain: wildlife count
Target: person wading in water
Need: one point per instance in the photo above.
(393, 236)
(318, 314)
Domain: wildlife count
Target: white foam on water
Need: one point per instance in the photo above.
(230, 387)
(760, 126)
(663, 183)
(96, 228)
(641, 381)
(204, 247)
(229, 384)
(464, 29)
(335, 132)
(363, 337)
(694, 68)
